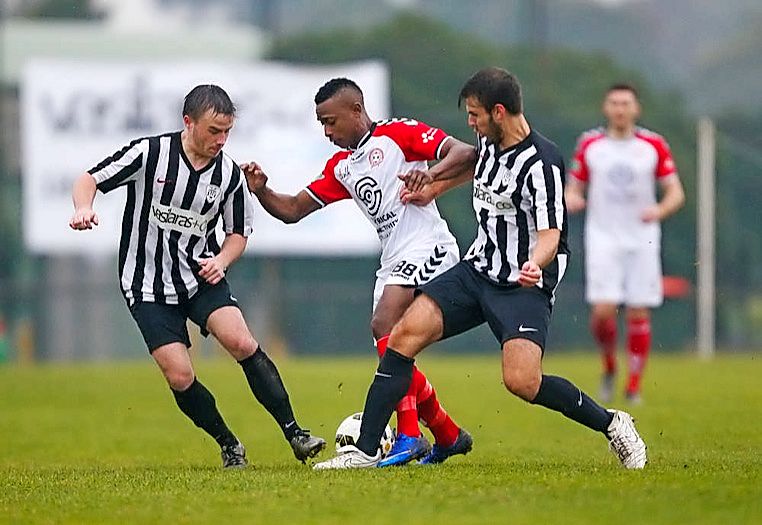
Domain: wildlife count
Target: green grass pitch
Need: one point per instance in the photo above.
(104, 443)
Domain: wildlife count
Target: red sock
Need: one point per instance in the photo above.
(638, 345)
(604, 331)
(407, 409)
(381, 345)
(434, 416)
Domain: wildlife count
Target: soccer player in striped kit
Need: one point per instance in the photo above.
(171, 267)
(507, 279)
(416, 242)
(614, 175)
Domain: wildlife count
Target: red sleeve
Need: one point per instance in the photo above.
(326, 188)
(417, 140)
(579, 169)
(665, 165)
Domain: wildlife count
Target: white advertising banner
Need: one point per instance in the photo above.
(75, 114)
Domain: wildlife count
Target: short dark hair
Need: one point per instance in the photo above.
(205, 97)
(623, 86)
(333, 86)
(491, 86)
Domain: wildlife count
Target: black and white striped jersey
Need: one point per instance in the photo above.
(171, 214)
(517, 192)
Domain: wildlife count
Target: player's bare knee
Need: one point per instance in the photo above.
(180, 379)
(522, 384)
(240, 345)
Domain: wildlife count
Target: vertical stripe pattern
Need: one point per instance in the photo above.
(517, 192)
(171, 215)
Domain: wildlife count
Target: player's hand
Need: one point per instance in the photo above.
(255, 177)
(418, 198)
(530, 274)
(651, 214)
(575, 203)
(83, 219)
(415, 180)
(212, 270)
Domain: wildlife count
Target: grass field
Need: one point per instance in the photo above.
(104, 443)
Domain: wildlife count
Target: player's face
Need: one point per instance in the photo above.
(209, 133)
(621, 109)
(481, 120)
(341, 119)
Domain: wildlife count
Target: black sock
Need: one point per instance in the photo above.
(392, 379)
(556, 393)
(267, 386)
(198, 404)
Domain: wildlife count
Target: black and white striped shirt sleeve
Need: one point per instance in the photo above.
(124, 166)
(238, 211)
(546, 186)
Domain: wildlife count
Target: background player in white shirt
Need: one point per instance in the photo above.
(416, 242)
(619, 167)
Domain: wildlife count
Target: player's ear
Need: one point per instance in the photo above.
(187, 121)
(498, 112)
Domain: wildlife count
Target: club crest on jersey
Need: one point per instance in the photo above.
(375, 157)
(212, 192)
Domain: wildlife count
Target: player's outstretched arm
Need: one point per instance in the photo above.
(431, 191)
(458, 160)
(287, 208)
(83, 195)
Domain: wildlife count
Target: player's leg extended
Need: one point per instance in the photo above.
(603, 326)
(394, 300)
(228, 326)
(420, 326)
(196, 402)
(638, 347)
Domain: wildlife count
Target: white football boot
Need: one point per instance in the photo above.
(351, 457)
(625, 442)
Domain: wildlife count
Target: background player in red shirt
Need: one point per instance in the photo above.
(416, 242)
(618, 166)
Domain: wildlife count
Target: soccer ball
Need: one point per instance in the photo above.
(349, 432)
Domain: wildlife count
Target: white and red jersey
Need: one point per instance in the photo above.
(368, 174)
(621, 177)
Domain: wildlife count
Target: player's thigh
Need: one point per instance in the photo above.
(394, 300)
(216, 311)
(605, 269)
(456, 296)
(420, 326)
(643, 282)
(160, 324)
(517, 313)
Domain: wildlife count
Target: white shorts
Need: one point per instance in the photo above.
(617, 275)
(416, 268)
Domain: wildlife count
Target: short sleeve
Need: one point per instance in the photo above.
(238, 210)
(417, 140)
(122, 167)
(326, 188)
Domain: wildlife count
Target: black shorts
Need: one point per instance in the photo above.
(162, 324)
(468, 300)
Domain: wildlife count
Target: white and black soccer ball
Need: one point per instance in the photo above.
(349, 432)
